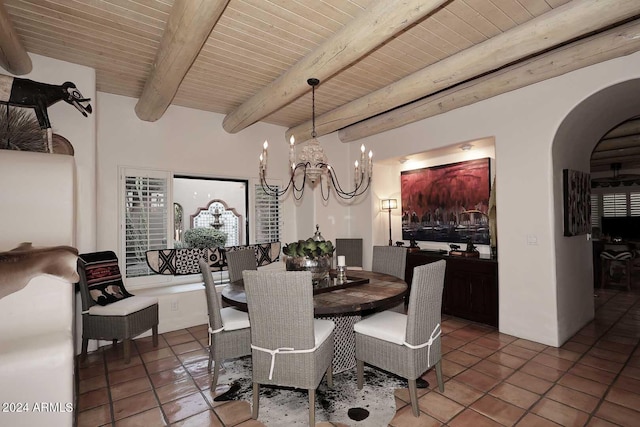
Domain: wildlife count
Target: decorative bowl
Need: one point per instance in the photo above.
(319, 267)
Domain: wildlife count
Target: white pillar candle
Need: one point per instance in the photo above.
(341, 261)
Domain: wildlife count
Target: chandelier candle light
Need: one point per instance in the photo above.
(312, 164)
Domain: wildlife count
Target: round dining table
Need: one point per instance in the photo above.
(344, 303)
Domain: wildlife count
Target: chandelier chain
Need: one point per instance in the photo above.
(313, 111)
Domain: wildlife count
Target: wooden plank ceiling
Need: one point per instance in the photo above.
(254, 42)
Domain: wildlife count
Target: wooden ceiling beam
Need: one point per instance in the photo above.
(630, 127)
(188, 28)
(560, 25)
(13, 55)
(379, 22)
(620, 152)
(614, 43)
(618, 143)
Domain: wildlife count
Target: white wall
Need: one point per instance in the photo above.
(185, 141)
(524, 124)
(37, 193)
(581, 129)
(80, 131)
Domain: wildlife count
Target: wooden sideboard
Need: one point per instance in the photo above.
(470, 285)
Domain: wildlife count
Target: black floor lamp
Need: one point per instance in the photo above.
(388, 204)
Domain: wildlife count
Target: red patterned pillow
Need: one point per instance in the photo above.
(103, 277)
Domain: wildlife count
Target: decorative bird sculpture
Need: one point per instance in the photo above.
(39, 96)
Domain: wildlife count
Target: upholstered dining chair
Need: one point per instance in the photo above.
(616, 255)
(390, 260)
(229, 333)
(240, 260)
(109, 312)
(351, 249)
(406, 345)
(289, 347)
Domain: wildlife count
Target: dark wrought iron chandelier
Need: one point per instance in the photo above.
(312, 164)
(617, 179)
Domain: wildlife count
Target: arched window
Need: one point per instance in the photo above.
(221, 217)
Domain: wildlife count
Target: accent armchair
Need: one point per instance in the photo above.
(109, 312)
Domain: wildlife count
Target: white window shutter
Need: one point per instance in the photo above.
(614, 204)
(595, 211)
(145, 217)
(634, 204)
(268, 216)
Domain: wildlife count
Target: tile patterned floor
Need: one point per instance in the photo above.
(492, 379)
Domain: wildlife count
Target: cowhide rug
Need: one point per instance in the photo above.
(373, 406)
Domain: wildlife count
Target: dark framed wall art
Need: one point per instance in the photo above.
(577, 202)
(447, 203)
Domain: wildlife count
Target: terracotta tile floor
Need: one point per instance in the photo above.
(492, 379)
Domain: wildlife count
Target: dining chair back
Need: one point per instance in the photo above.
(391, 260)
(351, 249)
(406, 345)
(229, 331)
(289, 347)
(109, 311)
(239, 260)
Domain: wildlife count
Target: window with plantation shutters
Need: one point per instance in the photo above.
(268, 217)
(595, 214)
(634, 204)
(145, 222)
(614, 204)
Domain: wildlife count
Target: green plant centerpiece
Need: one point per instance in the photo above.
(313, 254)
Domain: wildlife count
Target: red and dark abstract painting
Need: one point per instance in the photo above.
(447, 203)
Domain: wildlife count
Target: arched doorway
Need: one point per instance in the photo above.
(575, 139)
(615, 208)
